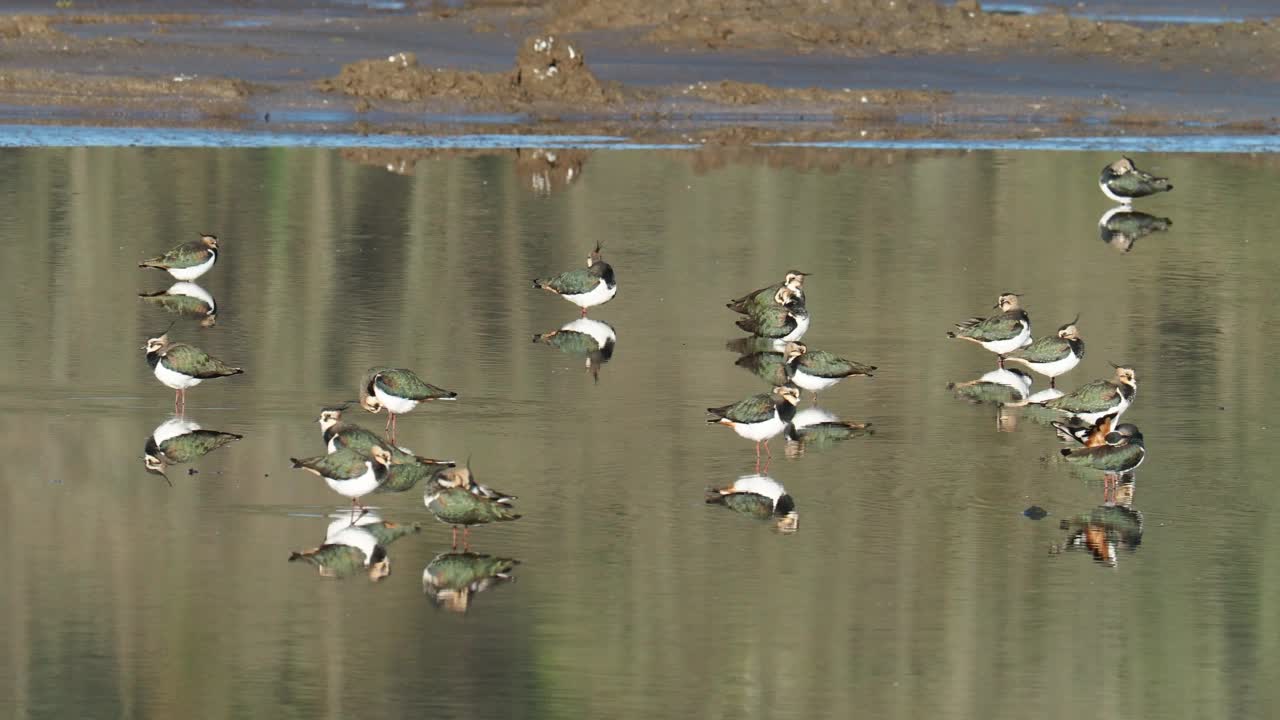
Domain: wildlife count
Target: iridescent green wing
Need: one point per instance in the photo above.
(405, 475)
(195, 444)
(755, 409)
(1005, 326)
(186, 255)
(193, 361)
(574, 282)
(344, 464)
(457, 506)
(1107, 458)
(1043, 350)
(1097, 396)
(754, 300)
(826, 365)
(406, 384)
(772, 322)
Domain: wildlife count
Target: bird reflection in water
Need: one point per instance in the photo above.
(452, 579)
(815, 428)
(591, 339)
(1107, 529)
(181, 440)
(760, 497)
(352, 547)
(1005, 388)
(1122, 226)
(185, 299)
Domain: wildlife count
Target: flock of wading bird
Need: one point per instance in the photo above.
(359, 462)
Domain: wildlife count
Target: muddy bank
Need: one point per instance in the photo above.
(866, 27)
(548, 72)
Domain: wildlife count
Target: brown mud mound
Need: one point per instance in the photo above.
(904, 26)
(74, 88)
(548, 70)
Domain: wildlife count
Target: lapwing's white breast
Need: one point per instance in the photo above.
(1055, 367)
(357, 486)
(601, 293)
(761, 430)
(802, 326)
(1117, 410)
(393, 404)
(1022, 339)
(195, 271)
(333, 444)
(172, 428)
(812, 383)
(174, 379)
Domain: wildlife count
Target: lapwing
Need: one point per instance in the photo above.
(786, 320)
(180, 366)
(464, 478)
(758, 496)
(186, 299)
(178, 440)
(398, 391)
(1100, 398)
(815, 370)
(452, 579)
(404, 471)
(1002, 333)
(1122, 226)
(451, 500)
(187, 261)
(1123, 452)
(764, 297)
(588, 287)
(348, 472)
(1052, 356)
(759, 417)
(1123, 182)
(591, 339)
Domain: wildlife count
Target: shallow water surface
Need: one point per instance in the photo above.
(914, 585)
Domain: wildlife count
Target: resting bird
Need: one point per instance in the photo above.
(187, 261)
(763, 298)
(1052, 356)
(181, 366)
(815, 370)
(785, 320)
(1100, 398)
(759, 417)
(594, 285)
(1002, 333)
(398, 391)
(452, 501)
(1122, 182)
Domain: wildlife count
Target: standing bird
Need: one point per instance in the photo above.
(348, 472)
(1054, 355)
(189, 260)
(1123, 452)
(588, 287)
(399, 391)
(759, 417)
(404, 471)
(786, 320)
(1100, 398)
(1002, 333)
(758, 496)
(1122, 182)
(451, 500)
(815, 370)
(180, 366)
(763, 298)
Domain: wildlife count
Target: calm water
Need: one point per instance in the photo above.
(915, 587)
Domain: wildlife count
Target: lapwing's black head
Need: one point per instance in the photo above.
(331, 416)
(380, 455)
(155, 466)
(793, 350)
(795, 280)
(1070, 331)
(210, 241)
(1125, 375)
(790, 393)
(1008, 301)
(1123, 433)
